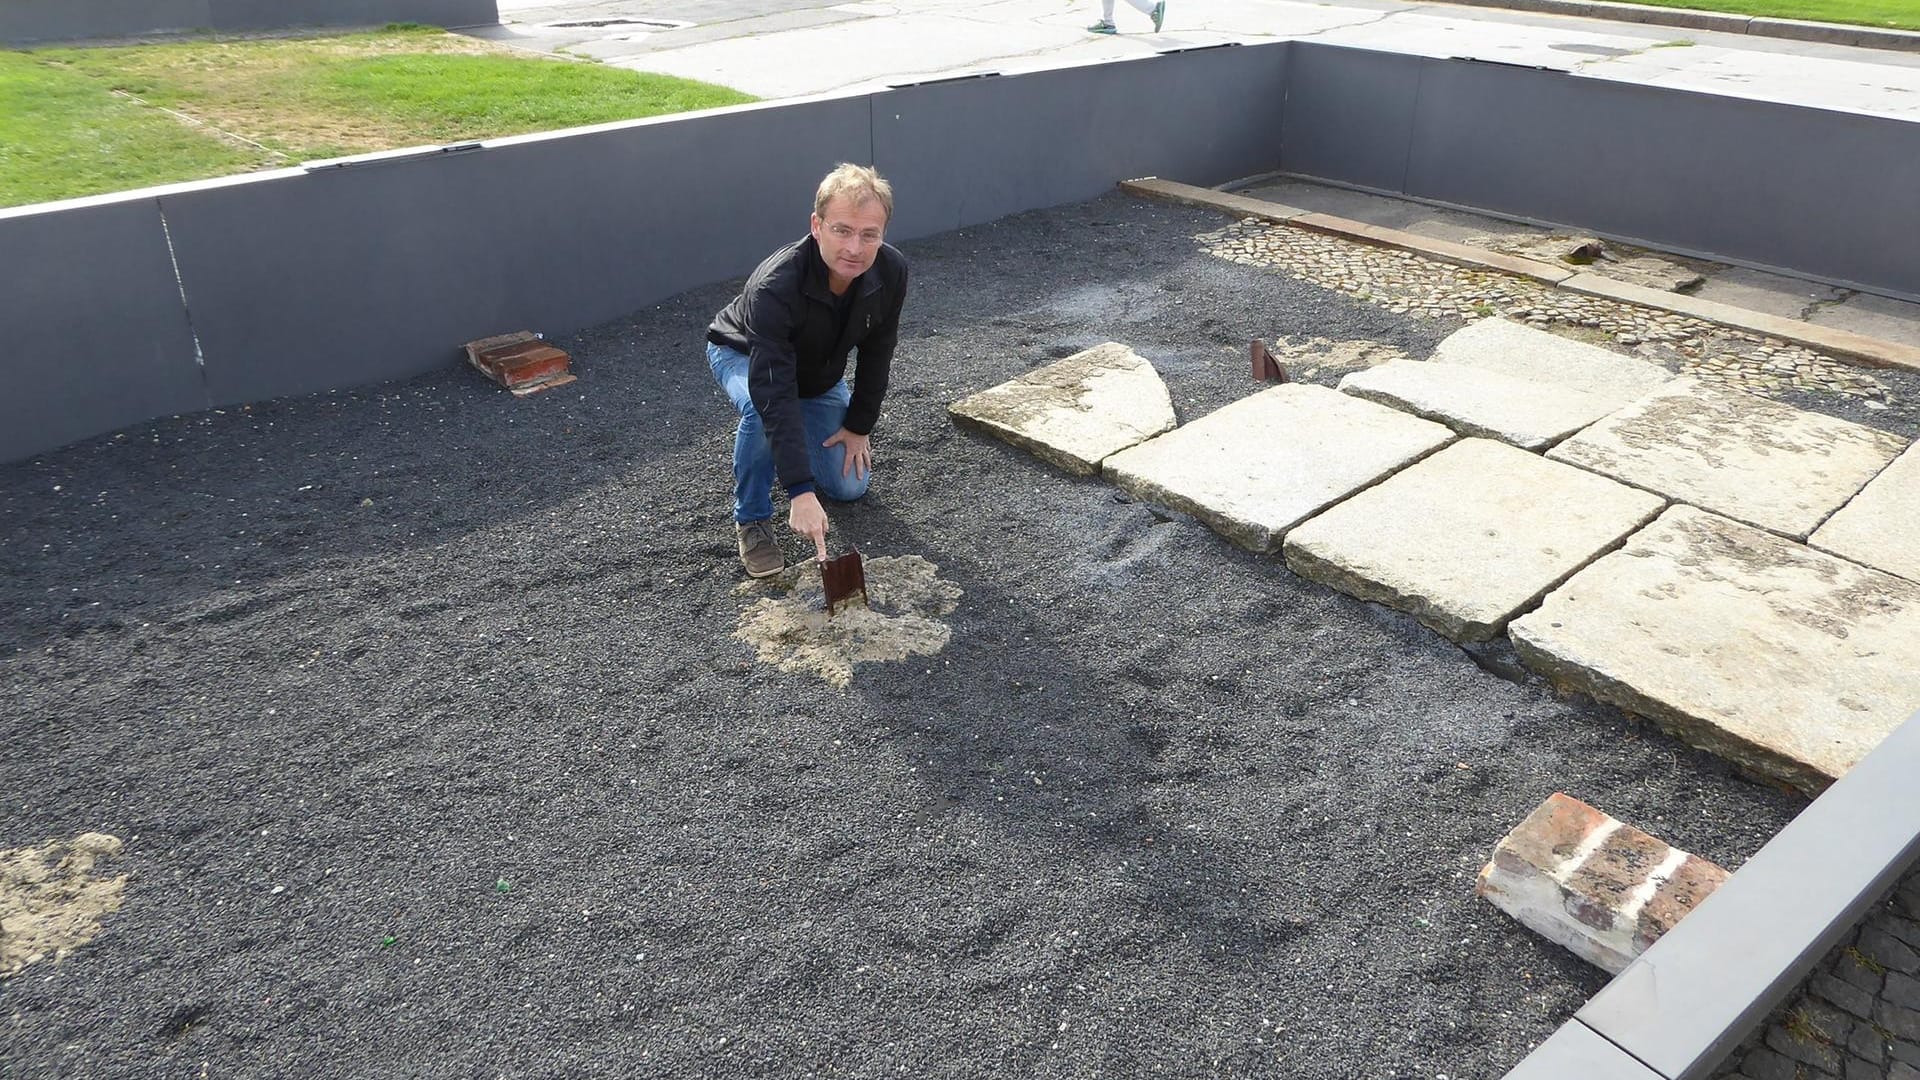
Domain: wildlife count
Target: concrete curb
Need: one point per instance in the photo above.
(1152, 187)
(1871, 352)
(1866, 37)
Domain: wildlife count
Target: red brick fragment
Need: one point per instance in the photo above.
(1552, 833)
(1599, 887)
(521, 362)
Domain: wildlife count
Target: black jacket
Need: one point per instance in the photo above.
(784, 321)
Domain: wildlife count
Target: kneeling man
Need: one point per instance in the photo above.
(780, 351)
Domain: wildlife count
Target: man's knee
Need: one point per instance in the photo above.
(843, 488)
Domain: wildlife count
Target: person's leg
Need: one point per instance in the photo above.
(752, 455)
(824, 416)
(1105, 25)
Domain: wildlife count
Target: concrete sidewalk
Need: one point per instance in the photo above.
(787, 48)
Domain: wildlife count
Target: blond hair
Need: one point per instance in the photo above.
(857, 183)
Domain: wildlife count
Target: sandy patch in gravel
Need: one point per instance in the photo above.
(906, 600)
(50, 901)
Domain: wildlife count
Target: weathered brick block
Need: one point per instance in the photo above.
(521, 362)
(1597, 886)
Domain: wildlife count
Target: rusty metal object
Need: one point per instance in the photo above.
(521, 362)
(1265, 367)
(845, 579)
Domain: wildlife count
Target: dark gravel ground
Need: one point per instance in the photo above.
(337, 667)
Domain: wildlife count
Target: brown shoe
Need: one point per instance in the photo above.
(759, 551)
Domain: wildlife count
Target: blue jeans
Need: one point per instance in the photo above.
(753, 471)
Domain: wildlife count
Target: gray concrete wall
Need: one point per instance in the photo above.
(28, 22)
(378, 268)
(324, 277)
(970, 151)
(1351, 115)
(1824, 194)
(96, 334)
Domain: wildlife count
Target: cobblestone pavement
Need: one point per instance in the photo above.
(1858, 1016)
(1410, 284)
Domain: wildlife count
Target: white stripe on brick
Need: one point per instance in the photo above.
(1637, 899)
(1588, 846)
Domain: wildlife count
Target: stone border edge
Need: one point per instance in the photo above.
(1684, 1004)
(1872, 352)
(1868, 37)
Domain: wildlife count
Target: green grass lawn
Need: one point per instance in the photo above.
(1891, 14)
(62, 135)
(64, 132)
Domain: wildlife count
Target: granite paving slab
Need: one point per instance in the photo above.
(1469, 537)
(1477, 402)
(1787, 661)
(1259, 466)
(1749, 458)
(1881, 526)
(1522, 352)
(1075, 412)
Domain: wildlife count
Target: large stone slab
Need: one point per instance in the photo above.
(1786, 660)
(1469, 537)
(1477, 402)
(1261, 465)
(1076, 412)
(1521, 352)
(1746, 457)
(1881, 526)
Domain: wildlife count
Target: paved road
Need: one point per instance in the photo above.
(786, 48)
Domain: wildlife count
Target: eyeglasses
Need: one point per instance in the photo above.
(847, 232)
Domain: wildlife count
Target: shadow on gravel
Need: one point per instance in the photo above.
(1075, 770)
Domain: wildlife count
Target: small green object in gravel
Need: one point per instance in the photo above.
(386, 941)
(503, 885)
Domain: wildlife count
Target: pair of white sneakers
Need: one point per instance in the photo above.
(1159, 16)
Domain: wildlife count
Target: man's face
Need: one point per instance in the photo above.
(849, 235)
